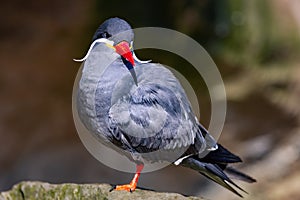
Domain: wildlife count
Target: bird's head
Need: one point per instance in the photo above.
(119, 33)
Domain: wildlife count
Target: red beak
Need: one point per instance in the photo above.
(123, 49)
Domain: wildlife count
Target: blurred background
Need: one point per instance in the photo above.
(255, 45)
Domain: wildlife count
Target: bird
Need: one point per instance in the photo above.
(140, 109)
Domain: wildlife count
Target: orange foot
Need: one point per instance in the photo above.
(132, 185)
(127, 187)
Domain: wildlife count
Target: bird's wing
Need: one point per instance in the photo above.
(155, 115)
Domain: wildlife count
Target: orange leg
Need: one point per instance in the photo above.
(132, 185)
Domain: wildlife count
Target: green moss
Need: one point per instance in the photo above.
(46, 191)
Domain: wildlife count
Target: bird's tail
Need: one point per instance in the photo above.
(214, 166)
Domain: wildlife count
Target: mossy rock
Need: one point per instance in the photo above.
(70, 191)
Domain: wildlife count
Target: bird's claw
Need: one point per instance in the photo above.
(113, 187)
(128, 187)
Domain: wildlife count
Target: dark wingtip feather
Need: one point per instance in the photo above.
(216, 170)
(214, 173)
(224, 184)
(239, 175)
(221, 155)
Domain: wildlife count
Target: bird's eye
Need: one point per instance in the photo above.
(105, 35)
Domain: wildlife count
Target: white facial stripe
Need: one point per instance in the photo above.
(109, 43)
(138, 60)
(102, 40)
(134, 56)
(131, 45)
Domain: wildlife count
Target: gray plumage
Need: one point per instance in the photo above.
(154, 115)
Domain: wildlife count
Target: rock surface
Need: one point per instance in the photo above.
(70, 191)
